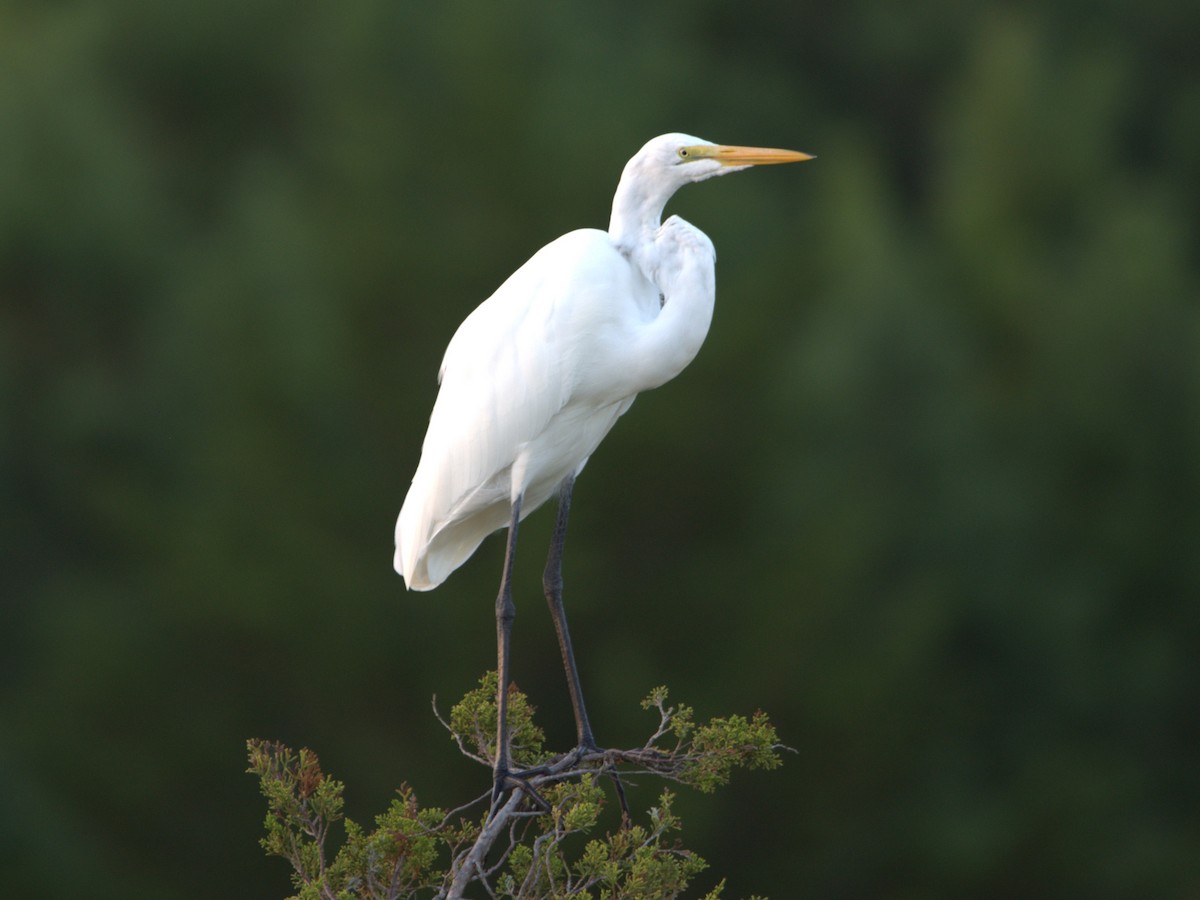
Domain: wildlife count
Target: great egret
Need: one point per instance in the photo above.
(536, 376)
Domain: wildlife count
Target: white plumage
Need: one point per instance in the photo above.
(519, 407)
(536, 376)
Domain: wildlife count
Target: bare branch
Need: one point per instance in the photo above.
(472, 864)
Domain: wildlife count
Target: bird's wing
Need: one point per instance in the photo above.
(507, 371)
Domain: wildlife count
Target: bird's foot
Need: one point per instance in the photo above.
(586, 748)
(505, 781)
(589, 748)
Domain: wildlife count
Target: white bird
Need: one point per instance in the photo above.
(536, 376)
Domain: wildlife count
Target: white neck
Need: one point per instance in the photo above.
(682, 268)
(637, 208)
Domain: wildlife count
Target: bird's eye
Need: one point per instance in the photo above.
(683, 152)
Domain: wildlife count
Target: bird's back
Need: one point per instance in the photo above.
(530, 383)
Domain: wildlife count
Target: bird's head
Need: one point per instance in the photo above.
(682, 158)
(665, 164)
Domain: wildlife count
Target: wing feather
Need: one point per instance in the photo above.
(507, 372)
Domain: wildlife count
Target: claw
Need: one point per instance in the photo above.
(506, 781)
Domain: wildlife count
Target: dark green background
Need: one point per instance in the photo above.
(930, 494)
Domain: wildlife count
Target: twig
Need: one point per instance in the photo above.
(457, 737)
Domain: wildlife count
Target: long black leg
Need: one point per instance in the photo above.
(506, 611)
(552, 581)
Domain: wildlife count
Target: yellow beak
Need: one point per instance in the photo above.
(747, 156)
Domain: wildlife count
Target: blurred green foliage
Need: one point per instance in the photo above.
(930, 495)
